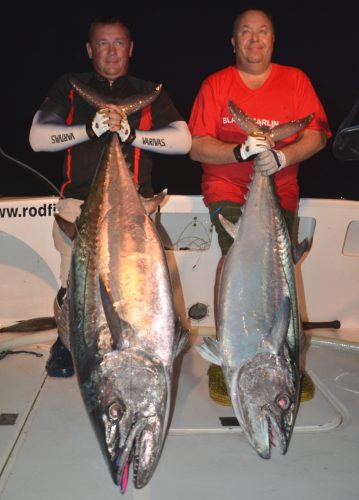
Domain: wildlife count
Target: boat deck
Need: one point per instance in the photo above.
(51, 451)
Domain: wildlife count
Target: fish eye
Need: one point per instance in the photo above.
(284, 402)
(115, 411)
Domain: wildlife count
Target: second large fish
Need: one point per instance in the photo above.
(259, 336)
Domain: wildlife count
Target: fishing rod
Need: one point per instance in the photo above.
(31, 170)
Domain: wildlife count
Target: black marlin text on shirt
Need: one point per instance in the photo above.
(262, 122)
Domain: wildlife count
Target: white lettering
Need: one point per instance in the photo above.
(262, 122)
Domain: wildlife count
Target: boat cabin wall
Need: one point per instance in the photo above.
(327, 275)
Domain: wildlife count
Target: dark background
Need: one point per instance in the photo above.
(178, 46)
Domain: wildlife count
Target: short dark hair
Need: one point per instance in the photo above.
(107, 20)
(244, 11)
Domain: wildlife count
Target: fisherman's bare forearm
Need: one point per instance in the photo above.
(207, 149)
(308, 144)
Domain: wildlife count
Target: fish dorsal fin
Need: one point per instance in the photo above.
(151, 204)
(242, 119)
(69, 228)
(119, 328)
(210, 350)
(230, 227)
(299, 249)
(273, 342)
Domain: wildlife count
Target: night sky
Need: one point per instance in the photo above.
(178, 46)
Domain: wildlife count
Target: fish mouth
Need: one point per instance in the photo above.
(279, 429)
(269, 432)
(141, 451)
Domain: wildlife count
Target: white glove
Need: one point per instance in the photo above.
(99, 124)
(269, 162)
(126, 133)
(253, 145)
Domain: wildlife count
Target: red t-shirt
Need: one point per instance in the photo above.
(286, 95)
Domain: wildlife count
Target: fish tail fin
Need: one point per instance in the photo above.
(287, 129)
(242, 119)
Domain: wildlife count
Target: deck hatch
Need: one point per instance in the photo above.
(8, 418)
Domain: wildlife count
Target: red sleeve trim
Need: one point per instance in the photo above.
(145, 124)
(69, 120)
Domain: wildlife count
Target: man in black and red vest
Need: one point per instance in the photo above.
(65, 121)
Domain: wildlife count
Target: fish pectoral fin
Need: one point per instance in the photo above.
(181, 339)
(210, 351)
(231, 228)
(299, 249)
(151, 204)
(117, 326)
(273, 342)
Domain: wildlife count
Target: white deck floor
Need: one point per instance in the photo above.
(51, 451)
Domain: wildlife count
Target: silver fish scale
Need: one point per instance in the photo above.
(257, 275)
(120, 257)
(141, 287)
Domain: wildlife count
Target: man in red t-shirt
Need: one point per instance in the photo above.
(271, 94)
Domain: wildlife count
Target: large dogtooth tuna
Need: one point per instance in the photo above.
(119, 313)
(259, 332)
